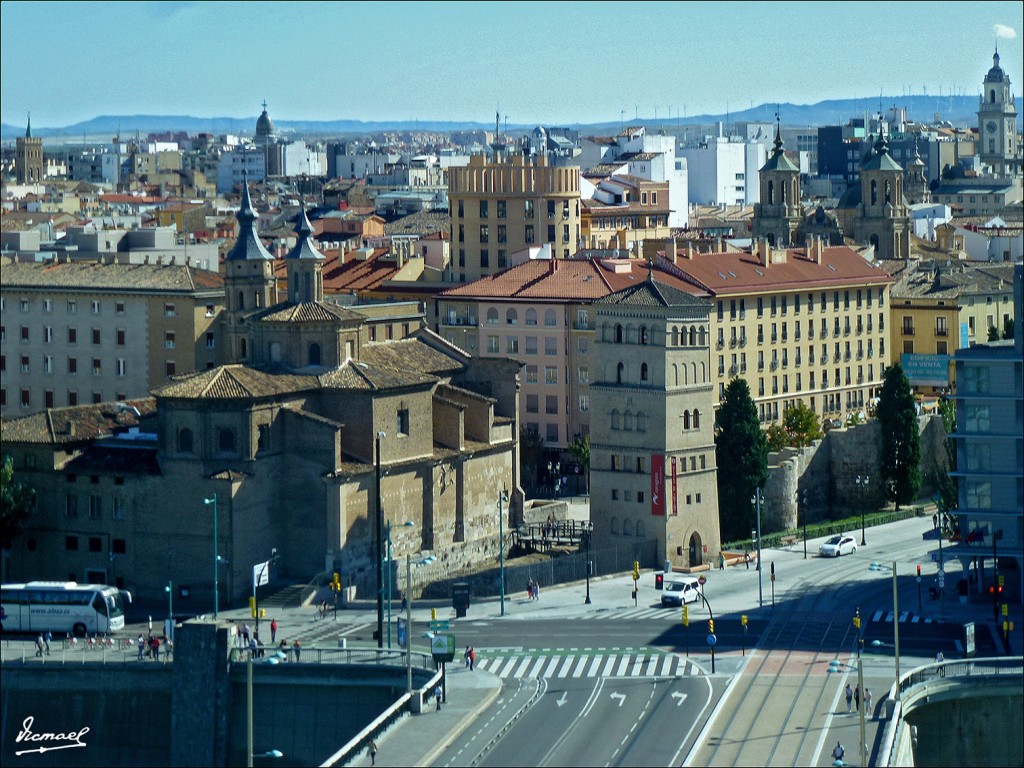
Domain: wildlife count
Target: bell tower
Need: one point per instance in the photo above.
(882, 217)
(28, 157)
(778, 215)
(997, 123)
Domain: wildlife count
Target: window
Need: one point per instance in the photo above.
(550, 374)
(584, 403)
(121, 366)
(492, 345)
(502, 233)
(402, 421)
(170, 368)
(71, 505)
(512, 345)
(551, 404)
(528, 210)
(484, 237)
(549, 317)
(71, 543)
(119, 309)
(483, 209)
(531, 374)
(169, 311)
(210, 342)
(528, 235)
(72, 307)
(169, 340)
(502, 206)
(532, 404)
(24, 364)
(551, 209)
(95, 335)
(96, 507)
(550, 346)
(226, 440)
(531, 345)
(584, 374)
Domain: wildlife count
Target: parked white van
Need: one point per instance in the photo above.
(678, 590)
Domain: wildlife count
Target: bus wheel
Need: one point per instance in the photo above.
(79, 630)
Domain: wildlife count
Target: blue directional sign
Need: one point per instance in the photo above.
(712, 639)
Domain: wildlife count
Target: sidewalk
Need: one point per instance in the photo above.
(417, 740)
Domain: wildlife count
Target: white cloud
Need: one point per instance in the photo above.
(1004, 32)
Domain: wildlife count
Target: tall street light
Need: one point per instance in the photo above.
(760, 589)
(803, 505)
(586, 537)
(216, 555)
(862, 484)
(996, 536)
(407, 524)
(379, 526)
(502, 499)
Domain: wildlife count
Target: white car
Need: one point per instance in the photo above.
(838, 545)
(680, 591)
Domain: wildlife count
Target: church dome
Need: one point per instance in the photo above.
(264, 126)
(996, 74)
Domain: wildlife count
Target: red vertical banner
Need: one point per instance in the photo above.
(657, 484)
(675, 500)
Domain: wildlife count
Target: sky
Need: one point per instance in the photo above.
(535, 62)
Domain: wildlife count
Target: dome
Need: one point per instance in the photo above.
(995, 74)
(264, 126)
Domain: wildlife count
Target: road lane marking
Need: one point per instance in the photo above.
(637, 663)
(608, 667)
(622, 666)
(595, 665)
(579, 667)
(552, 665)
(535, 672)
(667, 664)
(652, 666)
(566, 666)
(522, 667)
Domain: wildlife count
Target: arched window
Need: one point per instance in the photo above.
(630, 334)
(226, 440)
(492, 316)
(771, 239)
(241, 300)
(686, 419)
(874, 192)
(771, 192)
(643, 371)
(627, 421)
(307, 288)
(703, 334)
(641, 422)
(695, 380)
(703, 372)
(693, 336)
(549, 317)
(992, 96)
(782, 193)
(874, 242)
(511, 317)
(615, 420)
(696, 419)
(243, 348)
(685, 377)
(639, 529)
(618, 333)
(314, 354)
(620, 373)
(615, 525)
(627, 527)
(675, 336)
(531, 317)
(675, 375)
(643, 334)
(185, 440)
(257, 299)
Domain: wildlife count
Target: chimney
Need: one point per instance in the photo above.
(764, 252)
(688, 250)
(671, 249)
(818, 248)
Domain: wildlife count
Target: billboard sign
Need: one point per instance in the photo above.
(926, 370)
(657, 484)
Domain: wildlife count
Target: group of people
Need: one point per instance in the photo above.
(296, 649)
(470, 656)
(853, 696)
(43, 644)
(533, 590)
(149, 647)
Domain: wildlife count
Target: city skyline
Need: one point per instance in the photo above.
(394, 61)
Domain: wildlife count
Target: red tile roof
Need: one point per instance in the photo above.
(356, 275)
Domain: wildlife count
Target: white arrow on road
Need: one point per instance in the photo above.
(620, 696)
(680, 696)
(561, 701)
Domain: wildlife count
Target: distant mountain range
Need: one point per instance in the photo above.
(958, 110)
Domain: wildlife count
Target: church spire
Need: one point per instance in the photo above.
(28, 130)
(248, 247)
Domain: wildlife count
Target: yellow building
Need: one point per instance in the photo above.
(504, 207)
(624, 211)
(803, 324)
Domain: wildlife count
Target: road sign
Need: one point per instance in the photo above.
(712, 639)
(442, 647)
(260, 574)
(702, 580)
(439, 625)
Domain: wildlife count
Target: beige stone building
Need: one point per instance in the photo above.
(804, 324)
(500, 208)
(28, 157)
(653, 473)
(76, 332)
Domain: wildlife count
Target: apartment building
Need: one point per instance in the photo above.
(78, 332)
(540, 314)
(804, 324)
(500, 208)
(624, 211)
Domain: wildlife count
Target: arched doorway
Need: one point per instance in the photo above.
(696, 554)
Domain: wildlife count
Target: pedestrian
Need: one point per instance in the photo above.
(39, 646)
(373, 753)
(838, 752)
(142, 646)
(273, 630)
(721, 561)
(465, 655)
(867, 703)
(283, 648)
(296, 649)
(939, 658)
(935, 521)
(245, 634)
(253, 648)
(149, 646)
(46, 639)
(849, 699)
(472, 658)
(437, 696)
(156, 648)
(856, 697)
(536, 590)
(405, 603)
(746, 558)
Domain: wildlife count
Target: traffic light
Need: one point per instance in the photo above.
(252, 606)
(659, 581)
(711, 626)
(743, 620)
(856, 622)
(433, 614)
(636, 570)
(686, 615)
(919, 571)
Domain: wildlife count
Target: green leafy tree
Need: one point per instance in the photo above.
(777, 437)
(580, 450)
(944, 480)
(1008, 328)
(802, 425)
(741, 451)
(18, 502)
(993, 333)
(901, 441)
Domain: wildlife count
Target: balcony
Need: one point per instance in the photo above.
(720, 344)
(810, 334)
(733, 370)
(743, 341)
(785, 362)
(941, 332)
(824, 358)
(775, 364)
(908, 330)
(732, 343)
(582, 325)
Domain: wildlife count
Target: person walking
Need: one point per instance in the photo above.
(465, 655)
(156, 648)
(721, 561)
(437, 697)
(142, 645)
(849, 699)
(856, 698)
(373, 753)
(273, 630)
(838, 752)
(46, 639)
(472, 658)
(867, 704)
(296, 649)
(39, 645)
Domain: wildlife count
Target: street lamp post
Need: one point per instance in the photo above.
(408, 624)
(860, 687)
(760, 588)
(996, 536)
(379, 527)
(862, 483)
(216, 555)
(169, 589)
(803, 504)
(387, 562)
(502, 498)
(586, 534)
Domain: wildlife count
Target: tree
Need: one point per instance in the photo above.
(901, 441)
(741, 451)
(993, 333)
(580, 449)
(1007, 328)
(945, 481)
(802, 425)
(777, 437)
(18, 502)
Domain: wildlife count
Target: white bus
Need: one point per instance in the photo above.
(62, 607)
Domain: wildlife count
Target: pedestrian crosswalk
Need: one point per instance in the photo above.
(639, 613)
(323, 633)
(577, 663)
(905, 617)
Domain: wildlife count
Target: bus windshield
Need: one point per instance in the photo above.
(115, 605)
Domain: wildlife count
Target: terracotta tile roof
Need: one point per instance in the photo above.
(77, 423)
(420, 223)
(359, 275)
(410, 353)
(740, 272)
(228, 382)
(653, 293)
(561, 280)
(306, 312)
(92, 276)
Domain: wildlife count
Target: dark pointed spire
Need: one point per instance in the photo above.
(881, 145)
(304, 248)
(248, 247)
(28, 130)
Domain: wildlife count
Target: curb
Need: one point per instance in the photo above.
(461, 726)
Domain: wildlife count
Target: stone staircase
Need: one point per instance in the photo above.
(285, 595)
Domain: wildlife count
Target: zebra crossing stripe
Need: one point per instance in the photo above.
(622, 666)
(508, 667)
(652, 665)
(608, 667)
(522, 667)
(579, 667)
(536, 667)
(915, 619)
(593, 667)
(877, 616)
(551, 666)
(566, 666)
(637, 663)
(666, 665)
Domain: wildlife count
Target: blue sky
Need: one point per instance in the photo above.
(550, 62)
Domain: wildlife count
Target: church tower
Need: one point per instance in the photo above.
(28, 157)
(305, 264)
(778, 215)
(997, 123)
(882, 218)
(249, 280)
(917, 183)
